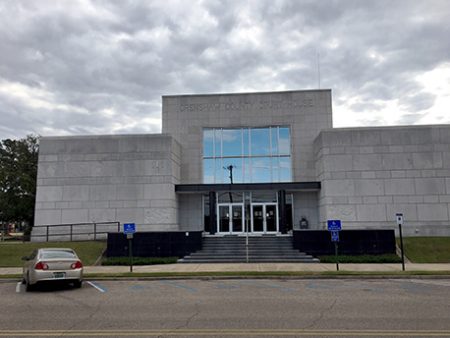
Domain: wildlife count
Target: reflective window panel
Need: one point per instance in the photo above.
(284, 141)
(256, 155)
(260, 138)
(232, 142)
(208, 170)
(234, 164)
(208, 143)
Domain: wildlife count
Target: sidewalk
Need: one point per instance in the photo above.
(258, 267)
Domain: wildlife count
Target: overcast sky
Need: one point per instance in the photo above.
(101, 67)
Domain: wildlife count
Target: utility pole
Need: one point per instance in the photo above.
(230, 169)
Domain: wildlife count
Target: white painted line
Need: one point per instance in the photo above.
(18, 287)
(96, 287)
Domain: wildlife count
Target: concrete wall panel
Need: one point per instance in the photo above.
(49, 194)
(48, 216)
(75, 193)
(306, 205)
(394, 169)
(108, 178)
(432, 212)
(74, 216)
(368, 187)
(430, 186)
(399, 186)
(369, 212)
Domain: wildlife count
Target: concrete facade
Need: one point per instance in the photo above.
(366, 174)
(370, 174)
(306, 112)
(127, 178)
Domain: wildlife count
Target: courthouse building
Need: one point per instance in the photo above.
(262, 163)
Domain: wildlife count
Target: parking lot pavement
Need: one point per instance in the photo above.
(407, 307)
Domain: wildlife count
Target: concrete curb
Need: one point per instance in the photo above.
(237, 277)
(380, 276)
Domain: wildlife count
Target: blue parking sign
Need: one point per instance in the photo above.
(334, 236)
(129, 228)
(334, 225)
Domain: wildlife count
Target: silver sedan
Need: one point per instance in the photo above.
(52, 264)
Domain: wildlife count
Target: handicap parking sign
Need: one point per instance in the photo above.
(334, 236)
(129, 228)
(334, 225)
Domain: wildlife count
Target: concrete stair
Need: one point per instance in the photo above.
(232, 249)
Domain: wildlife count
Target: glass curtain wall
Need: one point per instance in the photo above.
(253, 155)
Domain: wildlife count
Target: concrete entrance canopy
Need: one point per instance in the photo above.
(280, 205)
(288, 186)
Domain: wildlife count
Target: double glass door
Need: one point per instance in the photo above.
(231, 218)
(264, 218)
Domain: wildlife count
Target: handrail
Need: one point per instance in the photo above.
(71, 232)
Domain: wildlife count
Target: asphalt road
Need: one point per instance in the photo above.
(216, 308)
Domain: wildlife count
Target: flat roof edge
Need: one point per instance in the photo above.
(250, 93)
(363, 128)
(103, 136)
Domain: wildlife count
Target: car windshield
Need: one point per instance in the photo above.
(57, 254)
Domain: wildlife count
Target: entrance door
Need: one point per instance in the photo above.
(230, 220)
(224, 219)
(265, 218)
(237, 221)
(271, 218)
(258, 218)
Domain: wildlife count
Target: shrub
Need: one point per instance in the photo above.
(390, 258)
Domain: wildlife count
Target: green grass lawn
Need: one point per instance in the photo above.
(12, 252)
(427, 249)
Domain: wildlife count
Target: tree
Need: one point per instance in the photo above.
(18, 172)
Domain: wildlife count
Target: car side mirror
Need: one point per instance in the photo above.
(25, 258)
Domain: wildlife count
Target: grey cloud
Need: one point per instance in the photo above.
(410, 119)
(418, 102)
(363, 106)
(119, 57)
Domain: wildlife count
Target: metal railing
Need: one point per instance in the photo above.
(76, 230)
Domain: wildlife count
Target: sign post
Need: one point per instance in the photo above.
(247, 219)
(399, 218)
(334, 226)
(129, 229)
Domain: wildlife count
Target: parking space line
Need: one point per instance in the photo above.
(178, 285)
(101, 289)
(18, 287)
(228, 286)
(260, 284)
(280, 287)
(136, 287)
